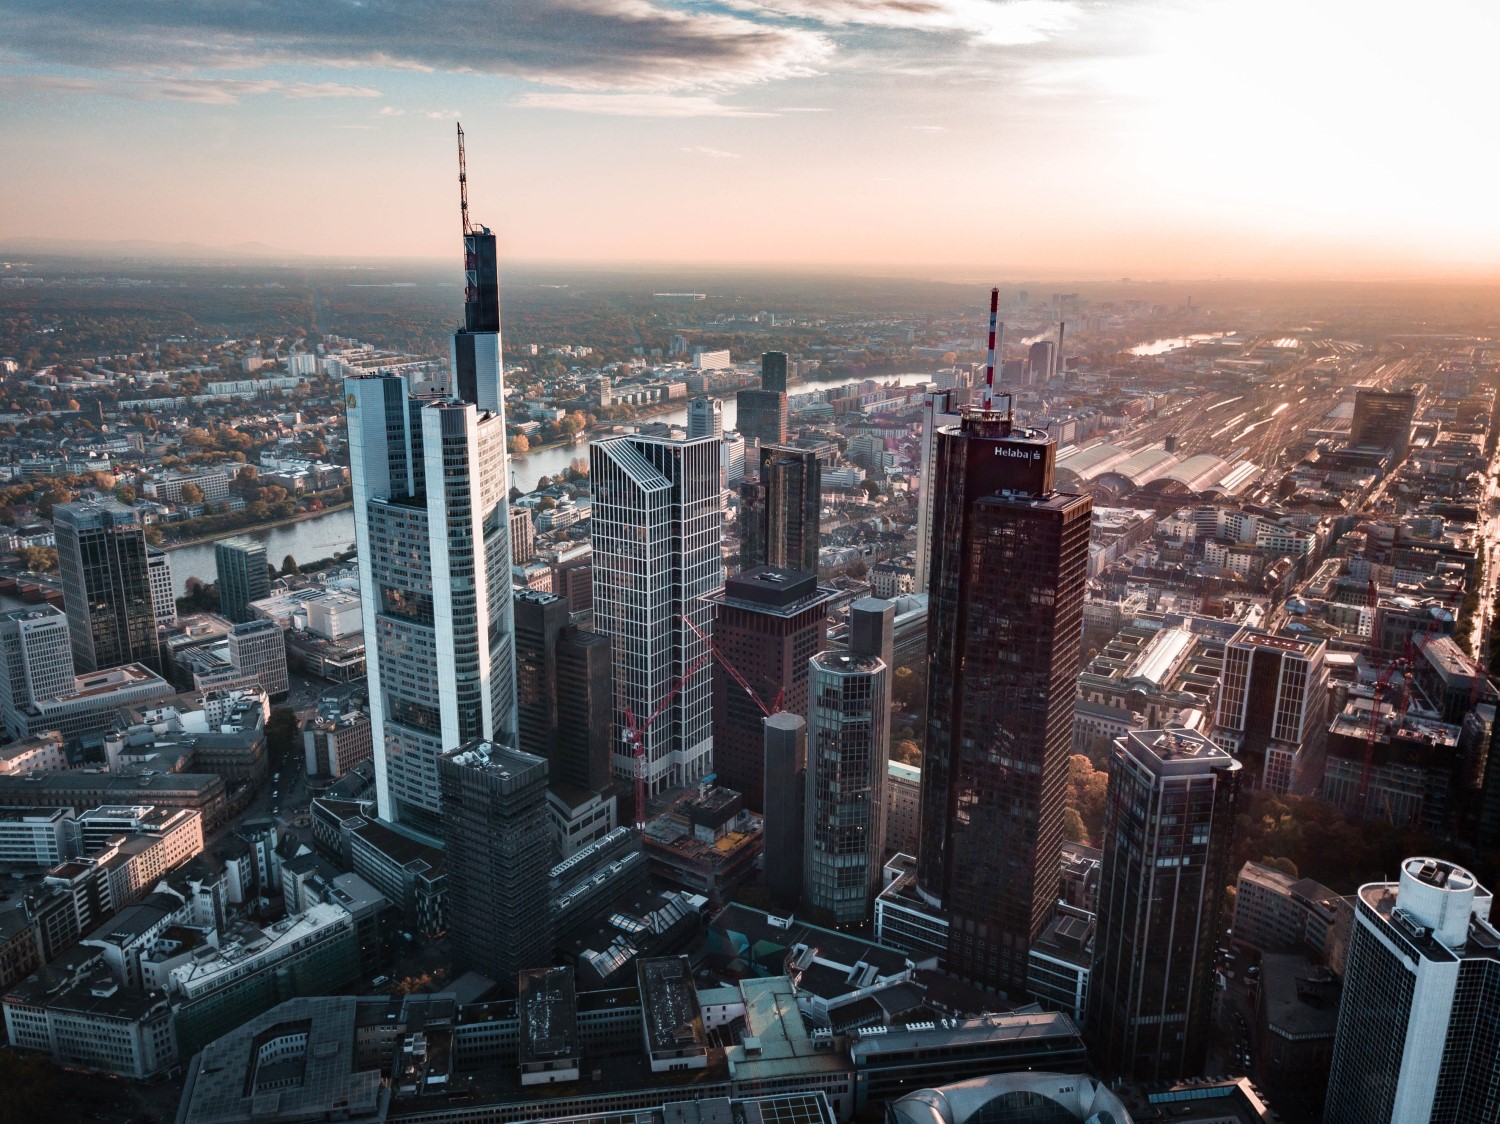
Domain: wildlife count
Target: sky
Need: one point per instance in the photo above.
(944, 138)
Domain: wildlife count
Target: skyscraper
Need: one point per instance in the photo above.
(657, 530)
(1040, 358)
(785, 736)
(1383, 418)
(163, 598)
(705, 418)
(498, 852)
(432, 522)
(769, 624)
(258, 648)
(781, 511)
(562, 691)
(848, 751)
(1417, 1033)
(761, 411)
(773, 371)
(106, 580)
(938, 410)
(1273, 696)
(1168, 838)
(243, 576)
(36, 662)
(1008, 568)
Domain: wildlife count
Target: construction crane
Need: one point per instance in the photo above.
(1402, 668)
(463, 183)
(734, 672)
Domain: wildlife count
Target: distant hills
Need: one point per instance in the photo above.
(141, 248)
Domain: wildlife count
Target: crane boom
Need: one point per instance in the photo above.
(734, 672)
(463, 183)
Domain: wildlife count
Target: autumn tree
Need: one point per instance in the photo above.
(519, 446)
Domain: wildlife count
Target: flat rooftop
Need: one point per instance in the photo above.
(548, 1012)
(669, 1004)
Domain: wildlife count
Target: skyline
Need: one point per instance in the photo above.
(1161, 138)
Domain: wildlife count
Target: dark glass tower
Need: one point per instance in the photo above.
(241, 567)
(101, 552)
(1168, 840)
(780, 513)
(1009, 563)
(773, 371)
(476, 346)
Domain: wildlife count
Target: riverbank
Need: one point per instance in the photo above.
(255, 528)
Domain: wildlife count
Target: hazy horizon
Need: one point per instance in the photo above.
(945, 139)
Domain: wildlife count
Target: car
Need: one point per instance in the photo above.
(380, 981)
(275, 809)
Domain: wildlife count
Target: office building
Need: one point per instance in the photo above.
(573, 580)
(257, 651)
(1168, 837)
(848, 752)
(101, 554)
(335, 740)
(769, 623)
(657, 530)
(785, 737)
(773, 371)
(705, 418)
(522, 536)
(1416, 1033)
(1273, 699)
(1041, 361)
(84, 713)
(1005, 614)
(780, 511)
(939, 409)
(761, 411)
(36, 663)
(432, 522)
(499, 852)
(564, 708)
(244, 576)
(1383, 418)
(733, 460)
(163, 596)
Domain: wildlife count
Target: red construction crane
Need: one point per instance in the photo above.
(734, 672)
(463, 183)
(1401, 668)
(635, 735)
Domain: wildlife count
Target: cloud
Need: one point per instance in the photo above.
(198, 89)
(442, 115)
(716, 153)
(390, 111)
(642, 46)
(929, 128)
(996, 22)
(638, 105)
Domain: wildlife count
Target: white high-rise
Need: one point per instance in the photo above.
(431, 515)
(938, 410)
(705, 418)
(657, 529)
(1416, 1040)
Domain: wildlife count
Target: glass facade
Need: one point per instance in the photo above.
(106, 580)
(1008, 569)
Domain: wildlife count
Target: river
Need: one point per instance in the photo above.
(328, 534)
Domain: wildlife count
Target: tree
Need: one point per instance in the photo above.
(38, 558)
(125, 493)
(1072, 827)
(871, 488)
(519, 446)
(191, 493)
(907, 688)
(907, 752)
(546, 503)
(1087, 789)
(289, 566)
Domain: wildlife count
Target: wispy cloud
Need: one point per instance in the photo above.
(203, 90)
(632, 45)
(997, 22)
(704, 150)
(638, 105)
(929, 128)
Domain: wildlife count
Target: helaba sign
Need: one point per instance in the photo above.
(1023, 454)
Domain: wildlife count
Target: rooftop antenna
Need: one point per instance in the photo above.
(463, 183)
(989, 369)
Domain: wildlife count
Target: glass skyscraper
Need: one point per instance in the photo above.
(1008, 567)
(106, 580)
(243, 577)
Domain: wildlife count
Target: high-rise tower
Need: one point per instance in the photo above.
(1168, 838)
(762, 416)
(1417, 1024)
(657, 531)
(1009, 564)
(938, 410)
(243, 577)
(1273, 696)
(106, 580)
(432, 521)
(781, 511)
(705, 418)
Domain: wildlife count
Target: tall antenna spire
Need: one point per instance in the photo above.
(463, 183)
(989, 369)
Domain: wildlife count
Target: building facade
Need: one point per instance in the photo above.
(499, 853)
(657, 531)
(1009, 564)
(1273, 702)
(244, 577)
(1416, 1036)
(848, 752)
(1168, 837)
(769, 623)
(106, 580)
(36, 663)
(780, 511)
